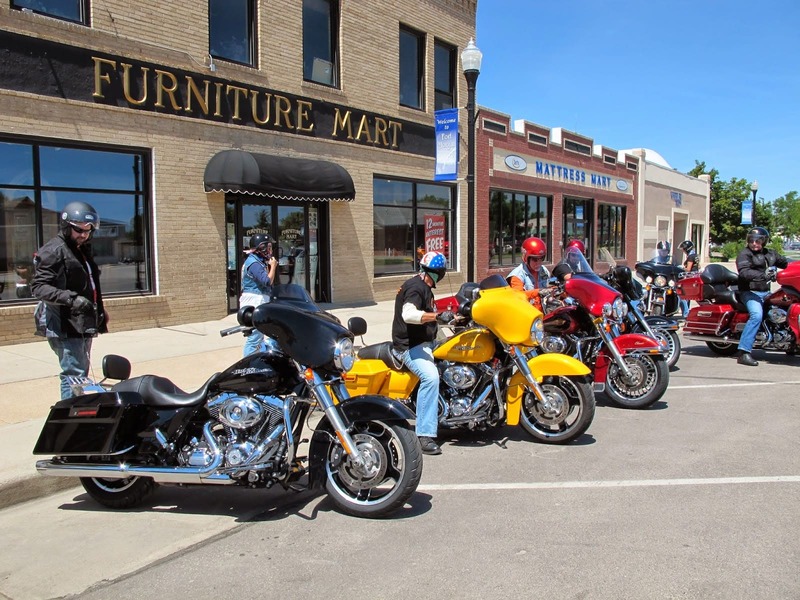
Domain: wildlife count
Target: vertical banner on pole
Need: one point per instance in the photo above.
(747, 212)
(446, 130)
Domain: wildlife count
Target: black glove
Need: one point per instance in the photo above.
(81, 305)
(772, 274)
(445, 317)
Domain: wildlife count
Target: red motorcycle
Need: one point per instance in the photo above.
(583, 318)
(719, 318)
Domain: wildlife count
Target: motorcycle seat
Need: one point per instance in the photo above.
(161, 392)
(383, 351)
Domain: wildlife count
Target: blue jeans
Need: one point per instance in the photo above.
(253, 342)
(755, 306)
(684, 304)
(419, 360)
(73, 357)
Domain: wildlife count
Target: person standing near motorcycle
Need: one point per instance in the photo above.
(662, 253)
(691, 265)
(70, 312)
(753, 264)
(258, 275)
(413, 331)
(530, 276)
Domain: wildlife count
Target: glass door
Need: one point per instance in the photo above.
(578, 224)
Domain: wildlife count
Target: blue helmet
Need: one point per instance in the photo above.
(433, 264)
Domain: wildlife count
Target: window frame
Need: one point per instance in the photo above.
(333, 49)
(82, 5)
(252, 36)
(419, 70)
(610, 216)
(440, 46)
(520, 211)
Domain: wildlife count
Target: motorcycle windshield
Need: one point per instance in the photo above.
(307, 337)
(504, 311)
(653, 269)
(591, 292)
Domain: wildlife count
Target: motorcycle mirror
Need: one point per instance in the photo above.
(357, 325)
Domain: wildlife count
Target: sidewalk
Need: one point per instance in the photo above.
(187, 354)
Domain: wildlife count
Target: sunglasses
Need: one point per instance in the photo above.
(535, 258)
(78, 229)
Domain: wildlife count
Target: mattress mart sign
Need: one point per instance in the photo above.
(529, 166)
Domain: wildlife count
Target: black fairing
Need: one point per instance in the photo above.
(652, 269)
(307, 337)
(622, 279)
(264, 372)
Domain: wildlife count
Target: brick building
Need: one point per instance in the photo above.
(194, 125)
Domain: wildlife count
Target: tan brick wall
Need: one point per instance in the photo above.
(188, 224)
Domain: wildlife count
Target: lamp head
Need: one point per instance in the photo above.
(471, 57)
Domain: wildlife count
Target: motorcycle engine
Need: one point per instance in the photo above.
(554, 344)
(459, 377)
(776, 315)
(237, 412)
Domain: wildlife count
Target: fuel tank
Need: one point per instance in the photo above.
(470, 346)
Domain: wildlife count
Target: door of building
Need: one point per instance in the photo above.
(578, 224)
(297, 227)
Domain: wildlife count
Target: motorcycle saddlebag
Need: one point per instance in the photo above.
(709, 319)
(691, 288)
(95, 424)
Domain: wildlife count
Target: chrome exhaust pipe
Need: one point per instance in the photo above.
(158, 474)
(710, 338)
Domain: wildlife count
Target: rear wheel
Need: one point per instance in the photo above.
(721, 349)
(566, 413)
(647, 382)
(119, 493)
(391, 471)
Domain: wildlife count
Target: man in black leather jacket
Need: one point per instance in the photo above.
(67, 283)
(753, 264)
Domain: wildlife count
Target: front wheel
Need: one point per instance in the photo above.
(673, 343)
(119, 493)
(721, 349)
(565, 415)
(649, 376)
(391, 471)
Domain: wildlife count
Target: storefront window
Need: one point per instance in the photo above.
(231, 27)
(514, 217)
(409, 219)
(38, 180)
(611, 229)
(68, 10)
(578, 223)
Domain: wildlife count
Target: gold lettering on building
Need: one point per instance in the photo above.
(99, 76)
(192, 91)
(303, 118)
(126, 84)
(342, 121)
(162, 89)
(283, 109)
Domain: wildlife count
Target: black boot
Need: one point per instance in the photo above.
(746, 359)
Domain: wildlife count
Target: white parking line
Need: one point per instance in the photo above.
(551, 485)
(742, 384)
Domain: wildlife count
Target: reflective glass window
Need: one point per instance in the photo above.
(16, 164)
(444, 75)
(412, 55)
(67, 10)
(320, 41)
(231, 30)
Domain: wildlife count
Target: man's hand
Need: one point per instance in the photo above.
(81, 305)
(446, 317)
(772, 274)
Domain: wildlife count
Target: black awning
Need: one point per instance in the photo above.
(241, 172)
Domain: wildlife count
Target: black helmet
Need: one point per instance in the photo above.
(663, 246)
(687, 246)
(758, 234)
(79, 212)
(259, 243)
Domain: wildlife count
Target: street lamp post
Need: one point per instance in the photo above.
(471, 64)
(754, 188)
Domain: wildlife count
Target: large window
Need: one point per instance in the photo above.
(231, 30)
(444, 75)
(513, 217)
(578, 224)
(611, 229)
(410, 218)
(38, 180)
(68, 10)
(321, 41)
(412, 68)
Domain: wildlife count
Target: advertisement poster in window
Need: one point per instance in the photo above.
(434, 234)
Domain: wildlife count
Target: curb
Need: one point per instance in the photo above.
(33, 487)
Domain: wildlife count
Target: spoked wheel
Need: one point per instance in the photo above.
(649, 376)
(673, 342)
(566, 413)
(391, 471)
(721, 349)
(119, 493)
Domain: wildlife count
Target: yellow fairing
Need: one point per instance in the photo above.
(471, 346)
(370, 376)
(507, 313)
(546, 365)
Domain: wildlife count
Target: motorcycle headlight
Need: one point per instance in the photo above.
(537, 330)
(618, 309)
(607, 308)
(661, 281)
(671, 283)
(343, 355)
(648, 279)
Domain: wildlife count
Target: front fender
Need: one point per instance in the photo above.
(543, 365)
(657, 322)
(358, 408)
(636, 342)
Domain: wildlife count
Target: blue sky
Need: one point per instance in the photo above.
(709, 80)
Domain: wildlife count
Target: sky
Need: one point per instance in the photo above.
(717, 81)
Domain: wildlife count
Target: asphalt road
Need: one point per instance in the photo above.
(696, 497)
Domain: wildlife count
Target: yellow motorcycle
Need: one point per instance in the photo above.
(486, 379)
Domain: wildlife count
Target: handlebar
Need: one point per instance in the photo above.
(237, 329)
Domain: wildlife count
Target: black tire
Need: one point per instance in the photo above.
(394, 472)
(673, 341)
(569, 414)
(721, 349)
(650, 377)
(119, 493)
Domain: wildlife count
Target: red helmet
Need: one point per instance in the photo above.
(577, 244)
(533, 247)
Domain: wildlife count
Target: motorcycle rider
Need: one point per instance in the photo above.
(70, 312)
(691, 264)
(413, 331)
(530, 276)
(753, 264)
(258, 275)
(663, 249)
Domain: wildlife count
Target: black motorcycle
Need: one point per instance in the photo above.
(243, 427)
(663, 329)
(660, 295)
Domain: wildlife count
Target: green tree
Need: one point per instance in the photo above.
(787, 215)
